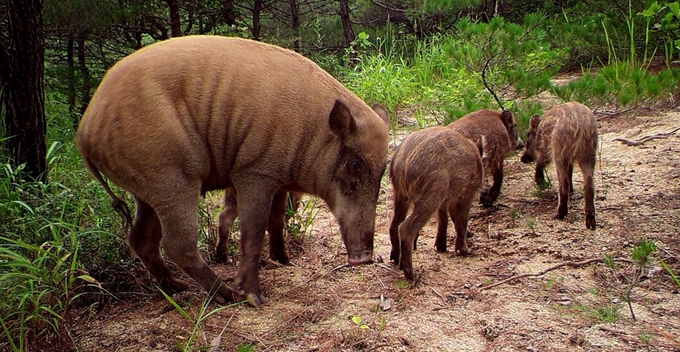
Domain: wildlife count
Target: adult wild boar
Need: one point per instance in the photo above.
(188, 115)
(277, 221)
(435, 169)
(566, 133)
(500, 130)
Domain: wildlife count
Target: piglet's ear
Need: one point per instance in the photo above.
(382, 112)
(341, 120)
(535, 120)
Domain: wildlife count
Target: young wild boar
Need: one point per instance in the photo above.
(277, 221)
(500, 129)
(435, 169)
(566, 133)
(198, 113)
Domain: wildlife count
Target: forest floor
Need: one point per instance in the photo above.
(318, 304)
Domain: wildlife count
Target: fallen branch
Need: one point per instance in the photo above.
(635, 143)
(554, 267)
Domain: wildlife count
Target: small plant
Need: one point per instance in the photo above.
(605, 314)
(401, 283)
(194, 319)
(640, 255)
(531, 225)
(245, 347)
(514, 215)
(646, 339)
(357, 322)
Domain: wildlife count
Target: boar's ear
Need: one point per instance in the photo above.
(534, 121)
(341, 119)
(506, 117)
(382, 112)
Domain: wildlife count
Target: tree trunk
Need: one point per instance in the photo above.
(23, 96)
(71, 77)
(174, 18)
(229, 15)
(346, 24)
(85, 72)
(295, 23)
(257, 9)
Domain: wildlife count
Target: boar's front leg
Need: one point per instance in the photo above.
(588, 168)
(277, 246)
(400, 210)
(255, 204)
(489, 196)
(539, 177)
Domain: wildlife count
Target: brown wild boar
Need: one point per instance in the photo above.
(435, 169)
(500, 129)
(277, 221)
(198, 113)
(567, 133)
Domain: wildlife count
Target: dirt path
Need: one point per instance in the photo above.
(576, 309)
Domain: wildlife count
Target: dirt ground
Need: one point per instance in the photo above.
(320, 305)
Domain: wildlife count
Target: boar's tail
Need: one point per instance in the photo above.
(118, 204)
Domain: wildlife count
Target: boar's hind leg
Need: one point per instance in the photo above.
(442, 226)
(408, 231)
(145, 241)
(400, 210)
(563, 178)
(277, 247)
(588, 168)
(460, 214)
(179, 218)
(225, 221)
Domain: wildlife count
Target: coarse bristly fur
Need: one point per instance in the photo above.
(188, 115)
(567, 133)
(435, 169)
(500, 131)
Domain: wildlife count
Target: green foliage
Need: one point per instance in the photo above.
(605, 314)
(642, 251)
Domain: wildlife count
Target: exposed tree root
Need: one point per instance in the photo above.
(640, 141)
(554, 267)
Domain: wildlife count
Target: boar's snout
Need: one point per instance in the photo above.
(526, 158)
(520, 144)
(361, 257)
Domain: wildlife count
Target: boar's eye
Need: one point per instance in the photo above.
(355, 167)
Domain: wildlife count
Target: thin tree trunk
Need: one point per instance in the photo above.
(295, 23)
(174, 18)
(257, 9)
(23, 96)
(71, 77)
(229, 15)
(346, 24)
(85, 72)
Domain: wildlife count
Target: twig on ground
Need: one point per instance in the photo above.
(641, 141)
(554, 267)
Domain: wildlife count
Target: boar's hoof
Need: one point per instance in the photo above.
(172, 285)
(590, 222)
(221, 257)
(394, 257)
(559, 216)
(408, 272)
(280, 258)
(483, 194)
(256, 300)
(464, 251)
